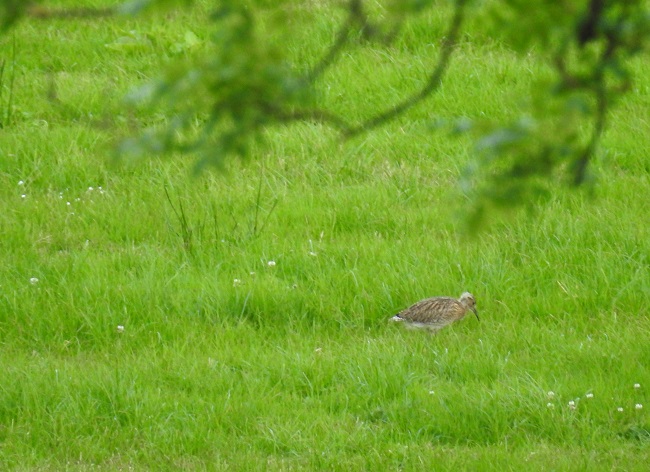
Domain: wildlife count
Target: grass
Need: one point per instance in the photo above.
(227, 362)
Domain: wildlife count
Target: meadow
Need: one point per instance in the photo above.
(151, 319)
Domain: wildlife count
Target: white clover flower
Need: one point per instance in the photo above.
(550, 405)
(271, 263)
(637, 385)
(550, 395)
(312, 253)
(589, 395)
(432, 392)
(67, 203)
(33, 281)
(620, 409)
(572, 405)
(120, 328)
(236, 282)
(638, 406)
(20, 182)
(90, 189)
(252, 274)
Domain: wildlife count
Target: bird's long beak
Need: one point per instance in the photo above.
(476, 313)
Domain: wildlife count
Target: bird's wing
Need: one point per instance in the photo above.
(430, 310)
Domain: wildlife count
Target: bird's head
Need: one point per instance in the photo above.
(469, 302)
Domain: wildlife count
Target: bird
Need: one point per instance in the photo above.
(435, 313)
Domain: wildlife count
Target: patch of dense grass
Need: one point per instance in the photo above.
(227, 361)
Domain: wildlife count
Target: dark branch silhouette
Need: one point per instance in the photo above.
(68, 13)
(588, 28)
(448, 46)
(321, 116)
(336, 48)
(358, 17)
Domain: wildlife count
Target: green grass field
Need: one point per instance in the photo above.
(254, 302)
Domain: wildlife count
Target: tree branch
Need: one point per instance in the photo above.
(44, 13)
(356, 16)
(334, 50)
(321, 116)
(448, 46)
(599, 127)
(588, 27)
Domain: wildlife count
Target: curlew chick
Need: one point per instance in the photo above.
(437, 312)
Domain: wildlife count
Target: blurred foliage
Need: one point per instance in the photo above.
(220, 100)
(588, 45)
(243, 83)
(227, 94)
(11, 11)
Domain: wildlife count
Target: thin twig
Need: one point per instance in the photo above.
(321, 116)
(334, 50)
(599, 127)
(66, 13)
(356, 16)
(602, 106)
(448, 46)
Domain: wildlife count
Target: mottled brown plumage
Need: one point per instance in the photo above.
(436, 313)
